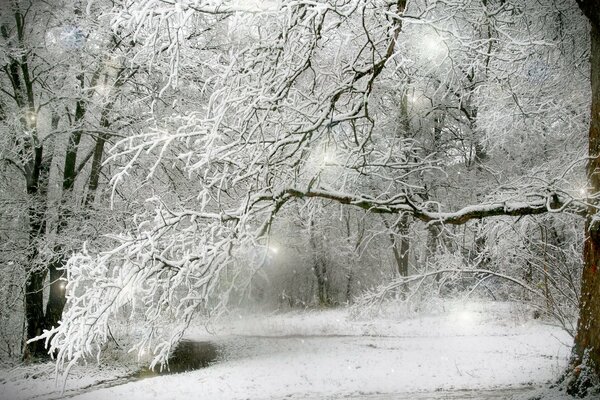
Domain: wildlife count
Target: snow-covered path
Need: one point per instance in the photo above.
(345, 367)
(452, 355)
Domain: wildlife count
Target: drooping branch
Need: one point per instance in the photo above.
(376, 297)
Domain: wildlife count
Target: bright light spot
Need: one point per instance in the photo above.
(433, 46)
(72, 37)
(329, 157)
(66, 38)
(103, 89)
(583, 191)
(273, 249)
(62, 285)
(31, 117)
(465, 316)
(324, 156)
(256, 5)
(416, 99)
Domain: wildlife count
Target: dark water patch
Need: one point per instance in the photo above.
(189, 355)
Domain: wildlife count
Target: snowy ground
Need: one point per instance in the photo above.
(477, 351)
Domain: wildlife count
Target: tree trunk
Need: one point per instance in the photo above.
(319, 268)
(56, 298)
(34, 285)
(401, 245)
(34, 313)
(322, 280)
(401, 249)
(587, 338)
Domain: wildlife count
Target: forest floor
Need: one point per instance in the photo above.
(478, 350)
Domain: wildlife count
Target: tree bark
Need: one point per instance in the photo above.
(319, 268)
(56, 297)
(400, 243)
(587, 338)
(322, 281)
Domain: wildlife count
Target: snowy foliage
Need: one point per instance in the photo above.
(410, 111)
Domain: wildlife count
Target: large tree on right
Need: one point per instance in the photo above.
(587, 339)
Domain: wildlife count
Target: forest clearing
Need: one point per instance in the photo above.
(478, 350)
(167, 165)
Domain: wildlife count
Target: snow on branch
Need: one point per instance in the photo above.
(375, 298)
(402, 204)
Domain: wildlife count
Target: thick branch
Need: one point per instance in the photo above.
(552, 203)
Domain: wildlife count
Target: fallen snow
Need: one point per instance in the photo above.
(460, 349)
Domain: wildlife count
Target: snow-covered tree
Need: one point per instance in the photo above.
(430, 114)
(63, 79)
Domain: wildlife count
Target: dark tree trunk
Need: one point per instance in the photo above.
(56, 297)
(401, 249)
(96, 169)
(98, 154)
(587, 339)
(34, 285)
(400, 243)
(435, 239)
(319, 268)
(322, 281)
(34, 312)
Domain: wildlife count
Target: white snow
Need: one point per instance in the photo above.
(325, 354)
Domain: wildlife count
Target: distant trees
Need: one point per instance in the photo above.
(62, 80)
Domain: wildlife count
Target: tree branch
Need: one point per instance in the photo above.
(400, 204)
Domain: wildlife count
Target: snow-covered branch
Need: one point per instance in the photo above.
(402, 204)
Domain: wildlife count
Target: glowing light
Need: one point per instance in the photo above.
(72, 37)
(415, 98)
(66, 38)
(583, 191)
(31, 117)
(273, 249)
(433, 46)
(256, 5)
(465, 316)
(103, 89)
(62, 285)
(329, 157)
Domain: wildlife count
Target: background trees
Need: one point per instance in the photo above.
(63, 79)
